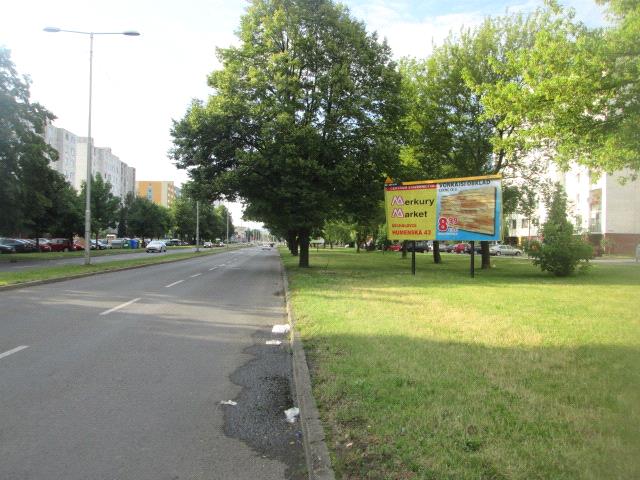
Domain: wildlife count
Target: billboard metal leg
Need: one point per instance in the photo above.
(473, 259)
(413, 258)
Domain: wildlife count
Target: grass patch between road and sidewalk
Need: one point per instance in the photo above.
(512, 375)
(70, 271)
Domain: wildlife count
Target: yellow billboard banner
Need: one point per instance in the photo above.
(411, 211)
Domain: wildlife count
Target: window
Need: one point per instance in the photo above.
(525, 223)
(514, 223)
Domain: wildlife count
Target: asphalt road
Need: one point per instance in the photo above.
(122, 375)
(8, 266)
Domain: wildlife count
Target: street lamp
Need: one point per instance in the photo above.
(87, 213)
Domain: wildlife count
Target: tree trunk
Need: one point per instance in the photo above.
(486, 258)
(303, 238)
(357, 243)
(437, 258)
(292, 242)
(404, 249)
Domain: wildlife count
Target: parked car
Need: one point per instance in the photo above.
(44, 244)
(395, 247)
(13, 245)
(461, 248)
(30, 245)
(61, 245)
(156, 246)
(447, 247)
(505, 250)
(98, 245)
(207, 245)
(422, 246)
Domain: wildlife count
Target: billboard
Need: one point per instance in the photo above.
(449, 209)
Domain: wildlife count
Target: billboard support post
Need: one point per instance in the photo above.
(473, 259)
(413, 258)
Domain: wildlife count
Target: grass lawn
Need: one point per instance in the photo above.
(512, 375)
(63, 271)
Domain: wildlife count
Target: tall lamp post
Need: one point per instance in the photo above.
(87, 213)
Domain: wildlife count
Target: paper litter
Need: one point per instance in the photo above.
(291, 414)
(284, 328)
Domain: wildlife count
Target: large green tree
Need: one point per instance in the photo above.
(302, 120)
(576, 89)
(452, 125)
(104, 205)
(24, 155)
(146, 219)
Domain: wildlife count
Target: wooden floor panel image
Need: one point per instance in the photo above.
(474, 209)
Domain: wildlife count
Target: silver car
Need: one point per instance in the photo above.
(156, 246)
(505, 250)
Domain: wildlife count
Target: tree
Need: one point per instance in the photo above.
(24, 155)
(146, 219)
(561, 251)
(578, 89)
(302, 119)
(123, 215)
(104, 205)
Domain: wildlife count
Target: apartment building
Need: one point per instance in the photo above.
(72, 151)
(160, 192)
(65, 144)
(605, 208)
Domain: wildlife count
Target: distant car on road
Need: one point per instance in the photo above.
(207, 245)
(156, 246)
(505, 250)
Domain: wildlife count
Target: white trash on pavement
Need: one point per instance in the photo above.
(228, 402)
(284, 328)
(291, 414)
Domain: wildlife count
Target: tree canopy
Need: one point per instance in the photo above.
(304, 107)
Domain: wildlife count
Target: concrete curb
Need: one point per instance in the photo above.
(315, 448)
(35, 283)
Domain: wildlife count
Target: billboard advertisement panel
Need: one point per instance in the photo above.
(457, 209)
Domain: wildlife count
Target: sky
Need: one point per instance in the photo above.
(142, 84)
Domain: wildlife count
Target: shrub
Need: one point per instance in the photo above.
(561, 251)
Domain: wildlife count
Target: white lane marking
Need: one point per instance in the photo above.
(174, 283)
(212, 268)
(196, 275)
(15, 350)
(122, 305)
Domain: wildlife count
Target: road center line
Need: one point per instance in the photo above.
(15, 350)
(107, 312)
(196, 275)
(212, 268)
(174, 283)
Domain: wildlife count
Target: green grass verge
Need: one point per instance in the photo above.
(512, 375)
(65, 271)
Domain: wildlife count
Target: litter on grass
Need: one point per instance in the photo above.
(284, 328)
(228, 402)
(291, 414)
(273, 342)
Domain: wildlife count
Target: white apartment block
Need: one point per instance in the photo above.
(73, 162)
(604, 208)
(65, 143)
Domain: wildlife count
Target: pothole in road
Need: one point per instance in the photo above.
(258, 419)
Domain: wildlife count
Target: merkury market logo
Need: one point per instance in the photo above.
(400, 213)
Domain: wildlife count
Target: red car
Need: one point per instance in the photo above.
(396, 247)
(64, 245)
(461, 248)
